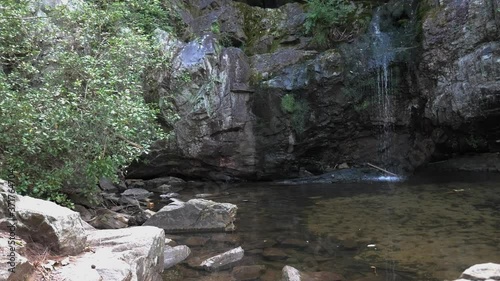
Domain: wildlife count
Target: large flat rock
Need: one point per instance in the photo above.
(196, 215)
(129, 254)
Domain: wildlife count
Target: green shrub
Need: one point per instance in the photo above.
(71, 104)
(334, 20)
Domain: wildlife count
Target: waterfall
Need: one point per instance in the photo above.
(383, 54)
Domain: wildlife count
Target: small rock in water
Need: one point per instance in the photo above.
(175, 255)
(223, 260)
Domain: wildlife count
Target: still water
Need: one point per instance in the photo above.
(426, 228)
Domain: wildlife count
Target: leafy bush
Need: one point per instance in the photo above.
(71, 104)
(334, 20)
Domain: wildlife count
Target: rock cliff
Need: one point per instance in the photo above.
(261, 102)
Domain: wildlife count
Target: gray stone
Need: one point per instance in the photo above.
(85, 214)
(175, 255)
(130, 254)
(185, 216)
(137, 193)
(224, 260)
(173, 181)
(45, 222)
(107, 219)
(107, 185)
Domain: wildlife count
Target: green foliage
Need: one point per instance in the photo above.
(288, 103)
(334, 20)
(143, 15)
(297, 110)
(71, 104)
(215, 27)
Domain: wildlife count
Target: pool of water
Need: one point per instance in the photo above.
(426, 228)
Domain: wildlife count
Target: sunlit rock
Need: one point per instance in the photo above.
(196, 215)
(224, 260)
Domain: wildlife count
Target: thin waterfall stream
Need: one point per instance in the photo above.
(382, 56)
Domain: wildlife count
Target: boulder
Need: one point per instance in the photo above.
(196, 215)
(107, 185)
(47, 223)
(137, 193)
(131, 254)
(224, 260)
(175, 255)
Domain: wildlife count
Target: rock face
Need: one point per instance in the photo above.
(275, 107)
(459, 75)
(134, 253)
(196, 215)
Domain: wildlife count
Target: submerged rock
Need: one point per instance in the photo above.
(248, 272)
(196, 215)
